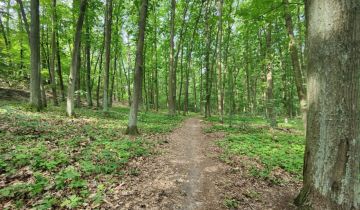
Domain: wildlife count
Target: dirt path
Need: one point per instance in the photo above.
(188, 175)
(195, 167)
(182, 177)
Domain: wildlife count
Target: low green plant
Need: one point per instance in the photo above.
(46, 203)
(231, 203)
(72, 201)
(71, 177)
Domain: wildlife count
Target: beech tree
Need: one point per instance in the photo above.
(332, 161)
(75, 60)
(108, 22)
(138, 79)
(35, 77)
(53, 53)
(172, 73)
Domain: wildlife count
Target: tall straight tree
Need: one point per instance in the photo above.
(75, 59)
(35, 77)
(172, 73)
(219, 65)
(88, 63)
(53, 53)
(108, 22)
(208, 29)
(332, 159)
(59, 71)
(132, 126)
(269, 79)
(295, 59)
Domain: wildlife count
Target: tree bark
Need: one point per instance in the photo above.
(59, 70)
(75, 60)
(53, 54)
(332, 159)
(156, 81)
(132, 126)
(88, 64)
(172, 73)
(207, 63)
(78, 80)
(219, 65)
(99, 76)
(108, 22)
(35, 77)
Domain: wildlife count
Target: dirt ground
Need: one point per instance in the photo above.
(188, 174)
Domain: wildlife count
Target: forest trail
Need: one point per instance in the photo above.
(190, 158)
(188, 174)
(182, 177)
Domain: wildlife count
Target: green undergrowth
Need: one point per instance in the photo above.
(48, 160)
(281, 147)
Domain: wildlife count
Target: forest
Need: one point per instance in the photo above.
(180, 104)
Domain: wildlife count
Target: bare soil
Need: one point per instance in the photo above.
(188, 174)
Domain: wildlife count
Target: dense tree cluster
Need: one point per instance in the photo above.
(204, 56)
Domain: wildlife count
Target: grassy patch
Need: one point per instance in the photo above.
(48, 160)
(282, 147)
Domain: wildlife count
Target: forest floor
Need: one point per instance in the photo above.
(48, 160)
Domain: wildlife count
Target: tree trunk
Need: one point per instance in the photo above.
(99, 77)
(59, 70)
(77, 80)
(108, 22)
(53, 54)
(132, 126)
(219, 54)
(156, 81)
(181, 77)
(207, 63)
(332, 160)
(35, 77)
(172, 73)
(127, 81)
(74, 60)
(88, 64)
(295, 60)
(269, 80)
(112, 84)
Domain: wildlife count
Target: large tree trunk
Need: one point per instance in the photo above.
(53, 53)
(75, 60)
(132, 126)
(332, 158)
(172, 73)
(295, 60)
(35, 77)
(108, 22)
